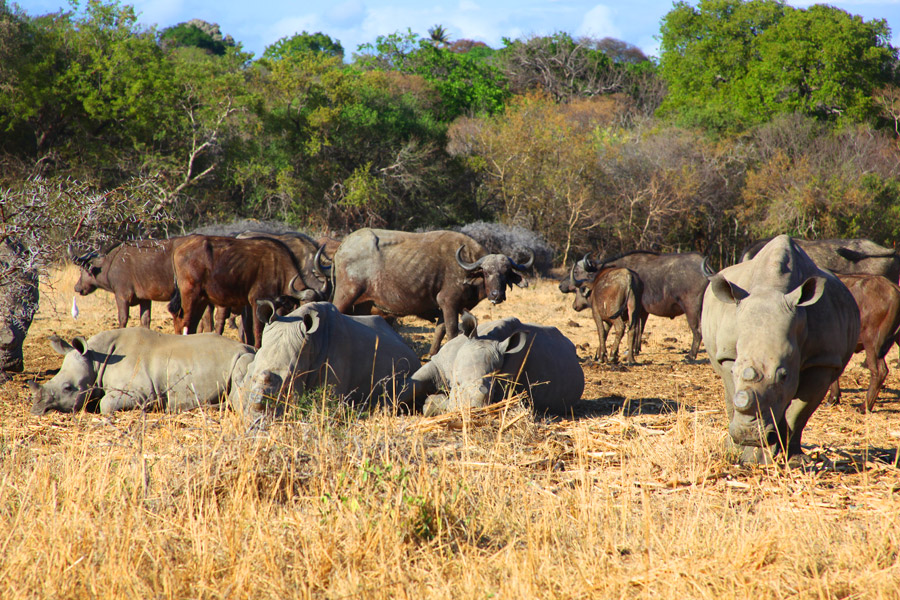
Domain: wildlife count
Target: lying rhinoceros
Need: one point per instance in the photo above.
(472, 370)
(778, 331)
(138, 368)
(361, 358)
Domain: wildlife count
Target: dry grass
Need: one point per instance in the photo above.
(633, 497)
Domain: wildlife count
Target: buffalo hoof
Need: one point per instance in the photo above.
(863, 409)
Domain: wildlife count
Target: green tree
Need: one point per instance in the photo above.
(287, 47)
(730, 64)
(195, 34)
(439, 36)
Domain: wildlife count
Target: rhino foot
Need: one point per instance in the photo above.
(436, 404)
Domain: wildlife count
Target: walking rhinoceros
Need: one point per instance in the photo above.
(361, 358)
(139, 368)
(778, 331)
(472, 370)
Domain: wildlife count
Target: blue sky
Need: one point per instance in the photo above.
(256, 24)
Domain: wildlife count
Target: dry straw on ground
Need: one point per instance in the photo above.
(634, 496)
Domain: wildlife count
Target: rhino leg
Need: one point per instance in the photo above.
(115, 400)
(814, 384)
(436, 404)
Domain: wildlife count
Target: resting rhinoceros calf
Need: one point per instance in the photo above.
(139, 368)
(472, 370)
(361, 358)
(778, 331)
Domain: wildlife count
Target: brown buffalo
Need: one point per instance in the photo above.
(614, 297)
(395, 273)
(232, 273)
(136, 272)
(879, 313)
(850, 256)
(673, 284)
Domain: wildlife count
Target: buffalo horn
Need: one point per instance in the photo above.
(265, 310)
(319, 268)
(465, 265)
(707, 268)
(527, 264)
(576, 283)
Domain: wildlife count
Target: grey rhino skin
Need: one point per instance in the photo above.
(361, 357)
(138, 368)
(778, 331)
(18, 303)
(472, 367)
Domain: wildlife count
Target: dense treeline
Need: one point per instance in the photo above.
(756, 119)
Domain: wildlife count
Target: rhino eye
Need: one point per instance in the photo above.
(780, 374)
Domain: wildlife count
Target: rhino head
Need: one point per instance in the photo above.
(283, 364)
(73, 385)
(481, 365)
(770, 331)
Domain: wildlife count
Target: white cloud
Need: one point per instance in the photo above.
(347, 14)
(598, 23)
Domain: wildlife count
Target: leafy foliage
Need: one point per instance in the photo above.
(288, 47)
(731, 64)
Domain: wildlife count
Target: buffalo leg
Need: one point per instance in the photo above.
(878, 371)
(834, 393)
(439, 331)
(602, 333)
(618, 332)
(694, 323)
(145, 313)
(122, 309)
(222, 314)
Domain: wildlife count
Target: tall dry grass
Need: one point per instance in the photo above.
(634, 497)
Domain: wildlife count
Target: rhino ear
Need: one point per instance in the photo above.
(469, 324)
(726, 291)
(80, 344)
(514, 343)
(310, 323)
(265, 311)
(807, 293)
(59, 345)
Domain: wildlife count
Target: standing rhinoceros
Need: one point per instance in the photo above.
(778, 331)
(362, 358)
(138, 368)
(470, 370)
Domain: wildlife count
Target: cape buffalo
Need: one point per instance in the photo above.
(136, 272)
(477, 368)
(139, 368)
(849, 256)
(879, 312)
(395, 273)
(232, 273)
(362, 358)
(778, 330)
(614, 297)
(673, 284)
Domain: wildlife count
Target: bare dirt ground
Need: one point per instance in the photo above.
(633, 497)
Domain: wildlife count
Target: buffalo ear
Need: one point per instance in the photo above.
(265, 311)
(807, 293)
(586, 291)
(310, 323)
(514, 343)
(517, 278)
(726, 291)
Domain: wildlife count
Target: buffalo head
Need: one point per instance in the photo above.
(495, 272)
